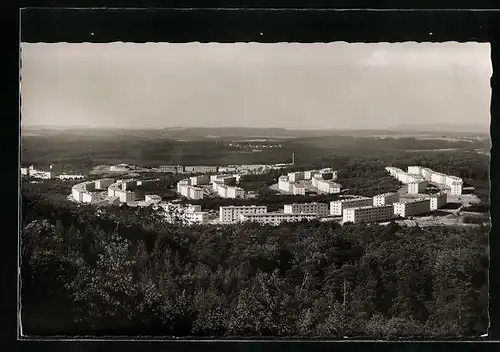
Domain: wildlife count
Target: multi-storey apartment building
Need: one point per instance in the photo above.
(172, 168)
(298, 190)
(322, 209)
(327, 186)
(412, 207)
(338, 206)
(200, 169)
(385, 198)
(295, 176)
(417, 187)
(456, 188)
(276, 218)
(284, 184)
(231, 213)
(438, 200)
(199, 180)
(235, 192)
(367, 214)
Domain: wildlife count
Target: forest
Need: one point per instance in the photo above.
(127, 272)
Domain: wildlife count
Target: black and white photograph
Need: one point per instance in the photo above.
(255, 190)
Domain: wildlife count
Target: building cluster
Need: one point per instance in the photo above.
(258, 213)
(31, 172)
(65, 177)
(189, 214)
(239, 169)
(417, 177)
(90, 191)
(184, 169)
(385, 207)
(224, 185)
(323, 180)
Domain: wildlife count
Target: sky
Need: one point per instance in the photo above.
(288, 85)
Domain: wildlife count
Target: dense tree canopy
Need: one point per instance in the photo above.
(127, 272)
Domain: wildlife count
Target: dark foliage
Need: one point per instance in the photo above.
(127, 272)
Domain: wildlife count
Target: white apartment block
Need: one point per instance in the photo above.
(235, 192)
(322, 209)
(69, 177)
(87, 197)
(199, 180)
(438, 200)
(195, 192)
(416, 170)
(309, 174)
(298, 190)
(455, 183)
(231, 213)
(200, 169)
(385, 199)
(412, 207)
(182, 184)
(284, 184)
(368, 214)
(295, 176)
(327, 186)
(337, 206)
(417, 187)
(456, 188)
(220, 189)
(276, 218)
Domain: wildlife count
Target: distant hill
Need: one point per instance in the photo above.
(453, 128)
(242, 132)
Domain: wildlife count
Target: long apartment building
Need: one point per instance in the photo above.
(228, 191)
(412, 207)
(326, 186)
(368, 214)
(322, 209)
(338, 206)
(200, 169)
(455, 183)
(275, 218)
(388, 198)
(231, 213)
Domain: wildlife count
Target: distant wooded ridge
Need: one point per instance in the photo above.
(253, 132)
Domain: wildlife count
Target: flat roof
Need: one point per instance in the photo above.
(371, 207)
(407, 201)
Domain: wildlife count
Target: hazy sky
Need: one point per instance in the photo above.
(335, 85)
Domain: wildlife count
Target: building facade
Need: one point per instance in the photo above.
(298, 190)
(172, 168)
(276, 218)
(322, 209)
(200, 169)
(231, 213)
(438, 200)
(369, 214)
(327, 186)
(412, 207)
(337, 207)
(417, 187)
(385, 199)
